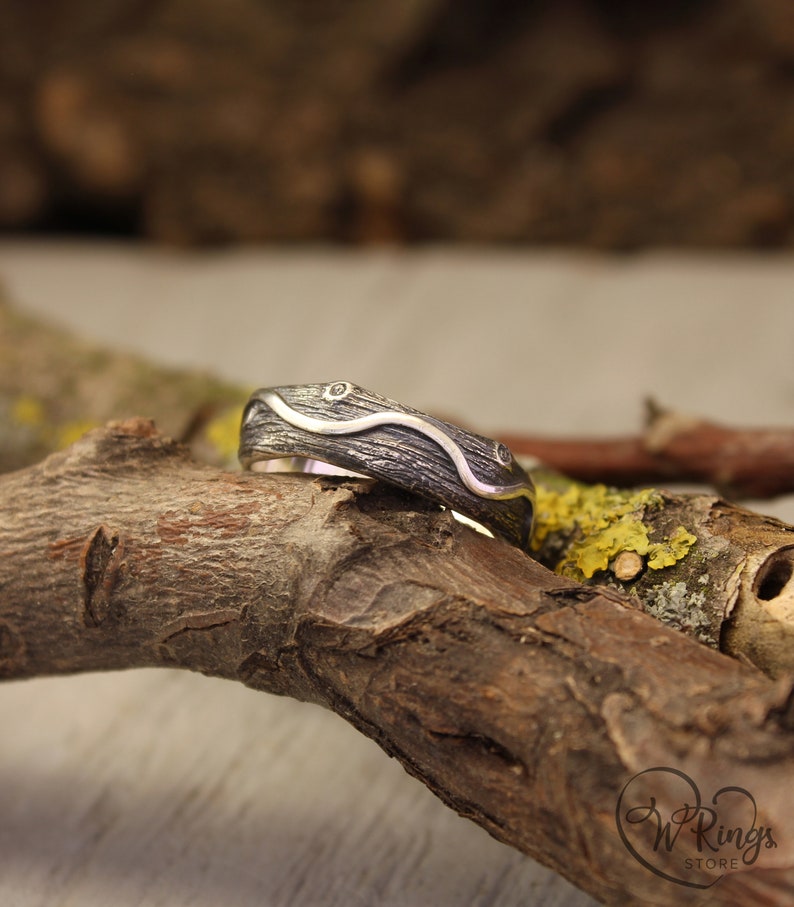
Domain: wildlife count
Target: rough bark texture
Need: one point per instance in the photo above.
(605, 122)
(733, 590)
(720, 573)
(524, 700)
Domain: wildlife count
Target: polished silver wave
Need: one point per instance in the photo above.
(392, 417)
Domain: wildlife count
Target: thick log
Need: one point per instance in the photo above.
(526, 701)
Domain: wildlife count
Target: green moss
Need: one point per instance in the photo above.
(600, 523)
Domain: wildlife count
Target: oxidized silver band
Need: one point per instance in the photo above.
(359, 431)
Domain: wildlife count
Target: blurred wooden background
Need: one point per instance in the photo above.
(600, 122)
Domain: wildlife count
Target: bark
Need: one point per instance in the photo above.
(526, 701)
(54, 386)
(732, 587)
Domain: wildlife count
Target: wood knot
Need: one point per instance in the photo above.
(627, 566)
(773, 583)
(100, 562)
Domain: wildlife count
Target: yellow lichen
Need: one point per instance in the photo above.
(601, 547)
(223, 433)
(28, 411)
(668, 551)
(69, 432)
(601, 522)
(31, 413)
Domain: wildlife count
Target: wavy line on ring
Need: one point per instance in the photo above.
(391, 417)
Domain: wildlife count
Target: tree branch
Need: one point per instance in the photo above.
(526, 701)
(738, 462)
(720, 573)
(54, 386)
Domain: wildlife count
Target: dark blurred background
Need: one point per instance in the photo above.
(613, 124)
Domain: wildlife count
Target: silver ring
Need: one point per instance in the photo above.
(365, 434)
